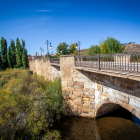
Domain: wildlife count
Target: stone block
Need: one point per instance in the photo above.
(78, 84)
(67, 78)
(86, 108)
(130, 108)
(64, 83)
(85, 90)
(89, 85)
(70, 84)
(97, 95)
(122, 98)
(105, 94)
(75, 79)
(98, 87)
(119, 102)
(91, 92)
(125, 105)
(113, 100)
(86, 99)
(86, 93)
(73, 75)
(77, 94)
(80, 75)
(138, 114)
(78, 90)
(83, 79)
(134, 103)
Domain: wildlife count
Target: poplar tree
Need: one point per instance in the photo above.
(4, 53)
(11, 55)
(18, 54)
(25, 58)
(0, 62)
(0, 57)
(22, 48)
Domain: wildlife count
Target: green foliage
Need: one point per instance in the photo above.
(76, 52)
(12, 53)
(25, 58)
(28, 105)
(62, 48)
(113, 45)
(18, 53)
(0, 62)
(72, 48)
(104, 49)
(9, 57)
(4, 53)
(93, 50)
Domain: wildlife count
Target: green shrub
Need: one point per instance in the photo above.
(29, 104)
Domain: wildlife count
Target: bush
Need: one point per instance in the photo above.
(93, 50)
(28, 105)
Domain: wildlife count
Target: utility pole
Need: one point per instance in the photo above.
(79, 43)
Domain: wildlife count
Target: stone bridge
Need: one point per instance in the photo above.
(91, 92)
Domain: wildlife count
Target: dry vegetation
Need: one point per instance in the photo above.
(29, 104)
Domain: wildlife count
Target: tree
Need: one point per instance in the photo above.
(113, 45)
(9, 57)
(18, 53)
(12, 53)
(93, 50)
(72, 48)
(62, 48)
(4, 53)
(0, 62)
(25, 58)
(104, 49)
(22, 48)
(76, 52)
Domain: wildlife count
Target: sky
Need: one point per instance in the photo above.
(70, 21)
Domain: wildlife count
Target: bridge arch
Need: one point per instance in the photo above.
(107, 105)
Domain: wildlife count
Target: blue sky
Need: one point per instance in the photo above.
(70, 21)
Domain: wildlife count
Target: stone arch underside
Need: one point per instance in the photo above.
(111, 104)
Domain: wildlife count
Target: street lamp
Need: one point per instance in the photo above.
(79, 43)
(47, 42)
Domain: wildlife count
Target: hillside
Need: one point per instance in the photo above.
(132, 47)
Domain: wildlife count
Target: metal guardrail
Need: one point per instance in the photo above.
(129, 62)
(55, 60)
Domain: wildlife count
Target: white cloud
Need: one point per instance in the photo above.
(42, 18)
(43, 10)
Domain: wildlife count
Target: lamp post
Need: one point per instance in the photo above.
(47, 42)
(79, 43)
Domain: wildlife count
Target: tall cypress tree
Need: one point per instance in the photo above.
(0, 62)
(25, 58)
(0, 57)
(13, 53)
(22, 48)
(4, 53)
(9, 57)
(18, 53)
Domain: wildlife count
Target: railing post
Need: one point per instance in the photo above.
(99, 62)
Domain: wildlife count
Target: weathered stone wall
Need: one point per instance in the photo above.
(43, 67)
(92, 93)
(88, 91)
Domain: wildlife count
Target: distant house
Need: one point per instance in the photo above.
(29, 57)
(54, 54)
